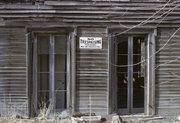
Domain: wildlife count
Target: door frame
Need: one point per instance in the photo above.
(149, 100)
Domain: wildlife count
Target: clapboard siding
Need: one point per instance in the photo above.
(168, 72)
(13, 67)
(92, 70)
(99, 12)
(92, 74)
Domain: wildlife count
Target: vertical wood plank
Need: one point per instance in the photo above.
(153, 73)
(110, 98)
(150, 98)
(68, 73)
(73, 69)
(29, 50)
(35, 108)
(130, 74)
(52, 73)
(115, 79)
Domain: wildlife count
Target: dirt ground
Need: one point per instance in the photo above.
(68, 120)
(34, 121)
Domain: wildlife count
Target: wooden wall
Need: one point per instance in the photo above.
(168, 72)
(13, 72)
(92, 65)
(92, 74)
(109, 13)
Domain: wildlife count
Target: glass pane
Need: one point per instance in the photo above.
(43, 99)
(137, 45)
(122, 48)
(60, 100)
(60, 63)
(60, 72)
(122, 45)
(43, 89)
(60, 44)
(60, 89)
(43, 81)
(137, 61)
(122, 62)
(138, 75)
(43, 47)
(60, 81)
(43, 44)
(43, 63)
(122, 91)
(138, 91)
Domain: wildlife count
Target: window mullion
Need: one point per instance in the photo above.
(130, 74)
(35, 71)
(132, 71)
(52, 73)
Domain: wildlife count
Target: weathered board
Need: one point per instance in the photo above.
(92, 74)
(113, 13)
(13, 72)
(168, 72)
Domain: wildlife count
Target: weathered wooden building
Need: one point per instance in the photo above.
(107, 56)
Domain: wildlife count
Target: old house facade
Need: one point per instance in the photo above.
(107, 56)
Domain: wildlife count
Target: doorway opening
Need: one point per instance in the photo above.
(130, 74)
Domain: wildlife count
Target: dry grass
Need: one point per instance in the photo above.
(35, 121)
(16, 114)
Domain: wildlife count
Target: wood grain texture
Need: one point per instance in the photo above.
(91, 12)
(13, 68)
(168, 72)
(92, 74)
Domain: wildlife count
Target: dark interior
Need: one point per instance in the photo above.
(123, 51)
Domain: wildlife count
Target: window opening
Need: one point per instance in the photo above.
(51, 71)
(130, 78)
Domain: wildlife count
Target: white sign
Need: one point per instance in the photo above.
(90, 42)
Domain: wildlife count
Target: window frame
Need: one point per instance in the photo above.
(34, 106)
(149, 105)
(130, 71)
